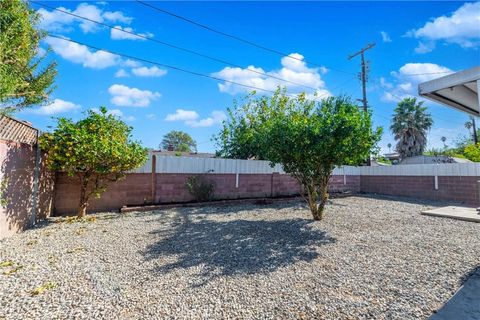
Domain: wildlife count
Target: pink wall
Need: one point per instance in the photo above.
(17, 161)
(464, 189)
(146, 188)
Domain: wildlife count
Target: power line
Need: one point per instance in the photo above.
(159, 64)
(145, 37)
(164, 65)
(251, 43)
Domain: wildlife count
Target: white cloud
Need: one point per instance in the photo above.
(117, 16)
(385, 36)
(57, 106)
(77, 53)
(117, 113)
(131, 63)
(191, 118)
(131, 97)
(405, 81)
(216, 117)
(118, 34)
(425, 47)
(182, 115)
(151, 116)
(61, 22)
(295, 70)
(121, 74)
(91, 12)
(120, 114)
(55, 20)
(421, 72)
(149, 72)
(461, 27)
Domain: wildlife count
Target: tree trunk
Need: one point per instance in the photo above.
(82, 205)
(317, 209)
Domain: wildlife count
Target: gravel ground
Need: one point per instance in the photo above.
(371, 258)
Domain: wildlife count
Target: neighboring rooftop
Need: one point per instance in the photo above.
(458, 90)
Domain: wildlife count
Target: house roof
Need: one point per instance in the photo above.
(458, 90)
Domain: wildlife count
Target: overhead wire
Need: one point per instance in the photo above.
(228, 35)
(149, 38)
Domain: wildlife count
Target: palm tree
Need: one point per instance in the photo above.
(443, 140)
(389, 145)
(471, 125)
(410, 125)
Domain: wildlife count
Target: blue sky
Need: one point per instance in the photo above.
(428, 39)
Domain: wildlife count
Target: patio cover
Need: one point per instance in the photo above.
(458, 90)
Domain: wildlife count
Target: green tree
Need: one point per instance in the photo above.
(25, 78)
(239, 138)
(410, 125)
(472, 152)
(307, 138)
(178, 141)
(97, 149)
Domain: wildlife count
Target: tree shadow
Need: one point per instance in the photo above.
(17, 187)
(225, 248)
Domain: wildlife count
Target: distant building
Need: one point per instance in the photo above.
(183, 154)
(432, 160)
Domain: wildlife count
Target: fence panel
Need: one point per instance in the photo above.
(174, 164)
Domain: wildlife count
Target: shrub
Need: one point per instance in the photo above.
(472, 152)
(200, 188)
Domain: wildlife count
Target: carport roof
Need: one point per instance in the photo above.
(458, 90)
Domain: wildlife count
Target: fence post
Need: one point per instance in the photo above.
(36, 178)
(154, 178)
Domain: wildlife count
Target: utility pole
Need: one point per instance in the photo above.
(363, 75)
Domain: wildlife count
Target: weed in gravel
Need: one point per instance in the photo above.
(13, 270)
(32, 242)
(6, 263)
(44, 287)
(78, 249)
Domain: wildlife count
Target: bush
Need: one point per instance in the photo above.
(472, 152)
(200, 188)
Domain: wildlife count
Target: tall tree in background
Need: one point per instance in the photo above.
(25, 78)
(239, 138)
(98, 150)
(472, 125)
(178, 141)
(410, 125)
(307, 138)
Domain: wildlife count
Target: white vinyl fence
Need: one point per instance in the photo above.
(174, 164)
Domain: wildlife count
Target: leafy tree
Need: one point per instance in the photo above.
(179, 141)
(308, 138)
(97, 149)
(472, 152)
(410, 125)
(23, 82)
(238, 138)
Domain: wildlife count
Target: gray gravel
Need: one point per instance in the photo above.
(370, 258)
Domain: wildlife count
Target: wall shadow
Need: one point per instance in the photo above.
(236, 246)
(17, 162)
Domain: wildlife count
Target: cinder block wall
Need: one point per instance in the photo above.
(17, 162)
(463, 189)
(147, 188)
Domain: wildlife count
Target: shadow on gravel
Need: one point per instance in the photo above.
(236, 247)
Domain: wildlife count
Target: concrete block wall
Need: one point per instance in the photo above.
(17, 163)
(462, 189)
(148, 188)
